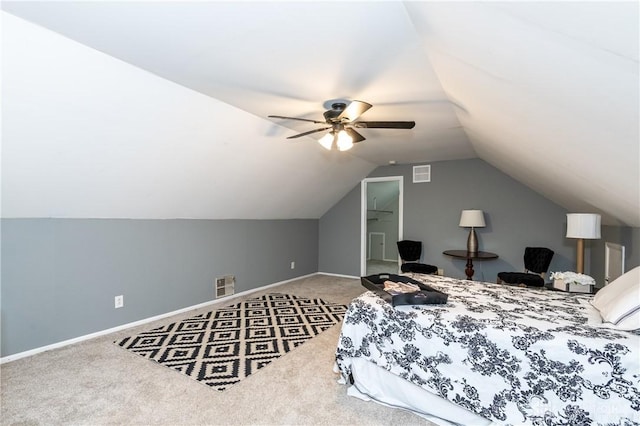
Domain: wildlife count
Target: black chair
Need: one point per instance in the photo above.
(410, 252)
(536, 264)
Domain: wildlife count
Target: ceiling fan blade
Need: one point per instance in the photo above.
(385, 124)
(295, 118)
(308, 133)
(354, 110)
(355, 136)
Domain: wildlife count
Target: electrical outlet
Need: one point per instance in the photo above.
(293, 265)
(119, 301)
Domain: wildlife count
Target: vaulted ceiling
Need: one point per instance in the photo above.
(159, 109)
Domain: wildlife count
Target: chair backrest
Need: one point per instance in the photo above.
(410, 251)
(537, 259)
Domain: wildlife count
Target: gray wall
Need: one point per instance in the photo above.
(339, 236)
(516, 217)
(60, 276)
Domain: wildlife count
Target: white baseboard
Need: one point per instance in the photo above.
(68, 342)
(339, 275)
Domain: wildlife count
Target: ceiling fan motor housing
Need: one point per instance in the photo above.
(335, 111)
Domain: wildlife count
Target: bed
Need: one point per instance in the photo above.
(493, 354)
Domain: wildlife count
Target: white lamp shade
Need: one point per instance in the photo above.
(472, 219)
(344, 142)
(327, 140)
(583, 225)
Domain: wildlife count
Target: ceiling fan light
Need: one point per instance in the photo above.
(326, 141)
(345, 142)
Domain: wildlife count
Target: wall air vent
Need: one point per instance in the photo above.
(422, 174)
(225, 286)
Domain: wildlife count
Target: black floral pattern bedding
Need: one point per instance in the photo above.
(511, 355)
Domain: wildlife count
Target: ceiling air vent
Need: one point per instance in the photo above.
(422, 174)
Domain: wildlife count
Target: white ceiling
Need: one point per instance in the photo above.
(547, 92)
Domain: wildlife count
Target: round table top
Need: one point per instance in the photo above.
(464, 254)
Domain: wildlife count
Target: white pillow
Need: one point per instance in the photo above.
(613, 290)
(619, 301)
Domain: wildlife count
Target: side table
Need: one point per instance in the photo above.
(469, 256)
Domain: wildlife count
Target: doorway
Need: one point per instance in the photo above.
(381, 224)
(613, 261)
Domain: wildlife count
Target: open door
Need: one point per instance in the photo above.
(376, 246)
(381, 224)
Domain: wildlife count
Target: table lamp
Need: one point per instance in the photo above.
(472, 219)
(582, 226)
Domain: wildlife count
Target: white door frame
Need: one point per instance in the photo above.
(363, 216)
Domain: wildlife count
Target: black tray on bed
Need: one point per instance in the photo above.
(426, 295)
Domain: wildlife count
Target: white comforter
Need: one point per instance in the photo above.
(508, 354)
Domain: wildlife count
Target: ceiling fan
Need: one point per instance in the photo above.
(342, 120)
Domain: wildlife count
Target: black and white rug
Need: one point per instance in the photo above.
(222, 347)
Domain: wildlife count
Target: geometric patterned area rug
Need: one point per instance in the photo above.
(221, 347)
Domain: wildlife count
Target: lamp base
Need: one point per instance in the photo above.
(472, 242)
(580, 256)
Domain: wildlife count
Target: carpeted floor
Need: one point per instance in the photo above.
(96, 382)
(382, 266)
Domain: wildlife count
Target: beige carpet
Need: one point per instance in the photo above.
(96, 382)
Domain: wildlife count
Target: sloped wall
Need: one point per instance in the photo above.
(85, 135)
